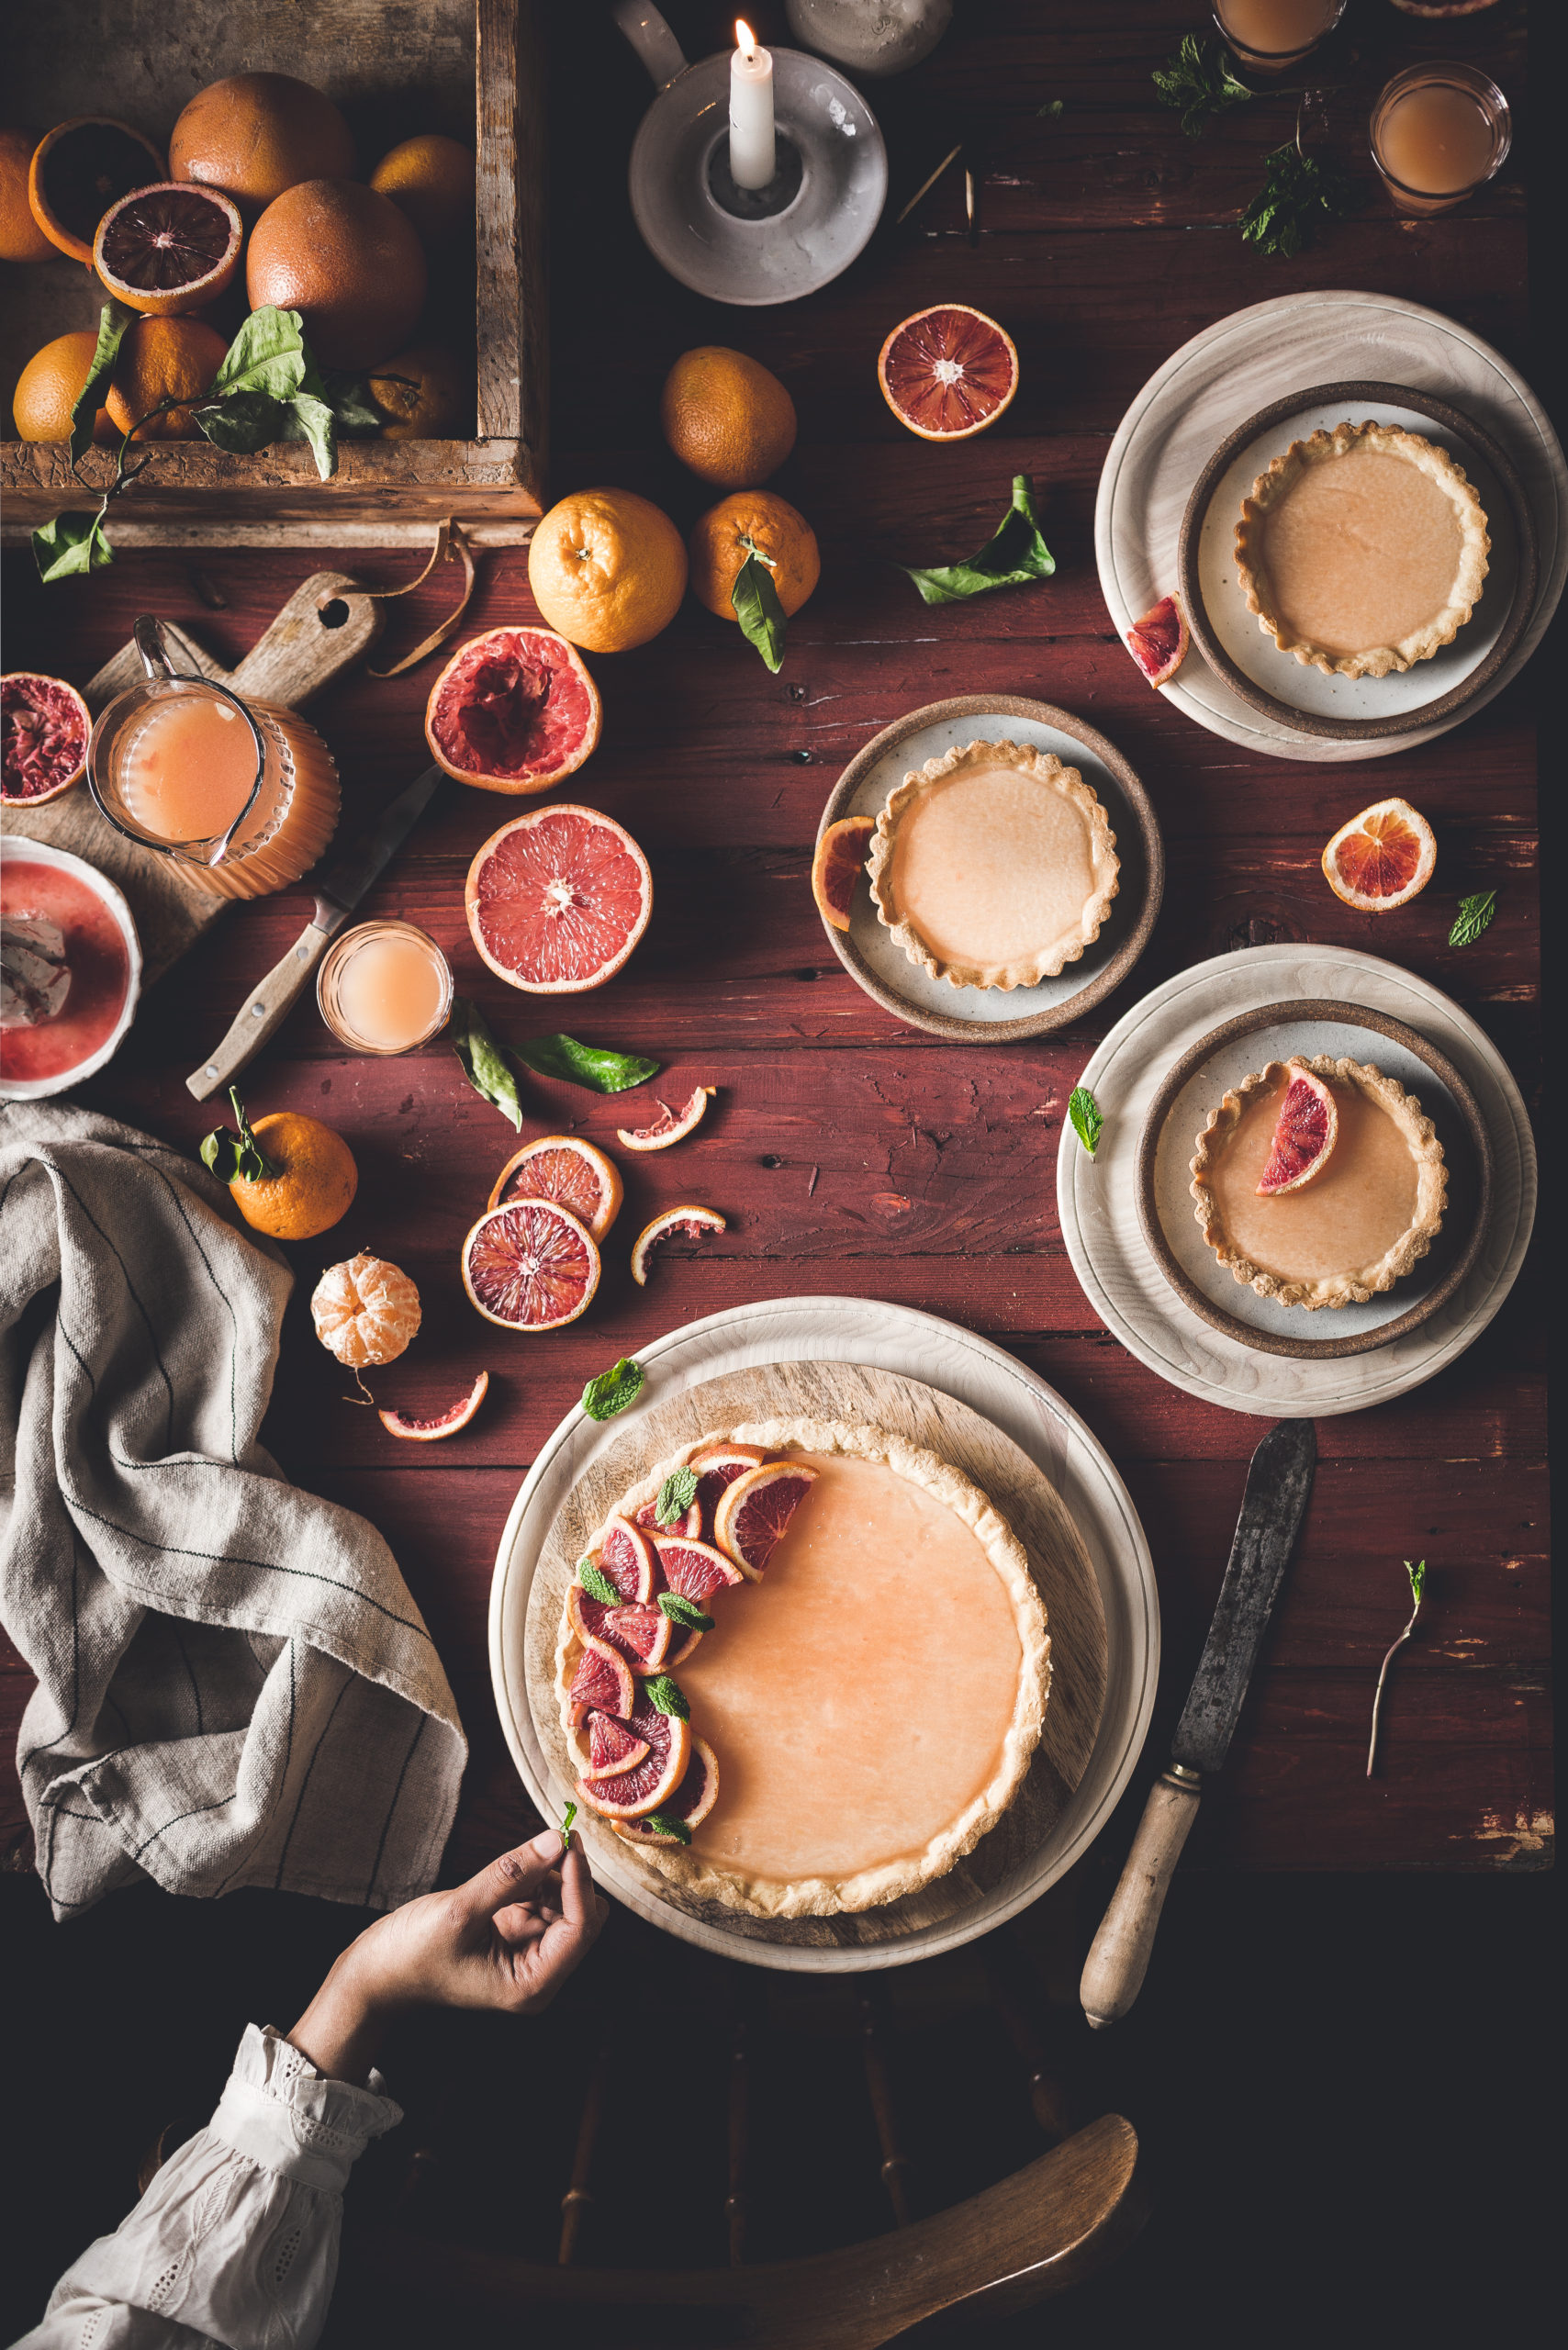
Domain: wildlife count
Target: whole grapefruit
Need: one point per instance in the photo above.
(254, 135)
(347, 261)
(164, 359)
(423, 394)
(752, 522)
(48, 387)
(431, 179)
(607, 568)
(727, 417)
(21, 238)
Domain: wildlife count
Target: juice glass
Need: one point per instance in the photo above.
(1269, 35)
(1439, 133)
(241, 795)
(384, 987)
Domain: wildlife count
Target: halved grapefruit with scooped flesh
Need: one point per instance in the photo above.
(1382, 858)
(558, 899)
(513, 711)
(603, 1678)
(687, 1809)
(529, 1266)
(626, 1557)
(564, 1169)
(695, 1223)
(754, 1511)
(445, 1423)
(651, 1782)
(837, 866)
(674, 1126)
(947, 371)
(44, 726)
(641, 1635)
(613, 1748)
(1305, 1137)
(1159, 641)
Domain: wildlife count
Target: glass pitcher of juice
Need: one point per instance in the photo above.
(241, 795)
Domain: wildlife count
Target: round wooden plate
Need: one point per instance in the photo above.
(995, 1015)
(1022, 1444)
(1435, 689)
(1166, 1207)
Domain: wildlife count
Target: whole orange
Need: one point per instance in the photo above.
(431, 180)
(164, 359)
(49, 386)
(314, 1184)
(423, 394)
(607, 568)
(726, 417)
(21, 238)
(753, 522)
(347, 261)
(256, 134)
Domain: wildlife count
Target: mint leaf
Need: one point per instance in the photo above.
(597, 1583)
(1418, 1575)
(567, 1819)
(113, 320)
(591, 1065)
(662, 1825)
(1474, 916)
(758, 610)
(681, 1610)
(71, 543)
(675, 1496)
(1298, 195)
(661, 1691)
(1016, 555)
(1084, 1112)
(1052, 110)
(613, 1390)
(268, 355)
(482, 1062)
(1201, 82)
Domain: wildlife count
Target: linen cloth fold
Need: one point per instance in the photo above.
(234, 1685)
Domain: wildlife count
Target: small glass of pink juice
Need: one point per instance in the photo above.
(242, 795)
(384, 987)
(1439, 133)
(1269, 35)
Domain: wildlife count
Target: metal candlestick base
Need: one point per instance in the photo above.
(751, 247)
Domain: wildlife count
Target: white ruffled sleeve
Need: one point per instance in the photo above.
(236, 2239)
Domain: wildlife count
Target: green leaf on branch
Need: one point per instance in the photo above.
(235, 1157)
(482, 1062)
(758, 610)
(612, 1391)
(268, 355)
(1016, 555)
(1200, 80)
(1474, 916)
(591, 1065)
(244, 422)
(661, 1691)
(597, 1583)
(113, 320)
(1298, 195)
(305, 418)
(675, 1496)
(71, 543)
(685, 1612)
(1084, 1112)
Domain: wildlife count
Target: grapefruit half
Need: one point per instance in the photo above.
(558, 899)
(513, 711)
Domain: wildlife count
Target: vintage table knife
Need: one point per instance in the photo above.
(1278, 1485)
(340, 889)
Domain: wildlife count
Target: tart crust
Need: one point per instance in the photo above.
(1272, 487)
(1358, 1283)
(822, 1896)
(1053, 954)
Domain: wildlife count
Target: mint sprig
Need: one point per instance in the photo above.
(1087, 1123)
(1201, 81)
(675, 1496)
(1474, 916)
(567, 1819)
(597, 1583)
(613, 1390)
(661, 1822)
(661, 1692)
(684, 1611)
(1299, 194)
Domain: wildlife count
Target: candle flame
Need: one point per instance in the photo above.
(746, 39)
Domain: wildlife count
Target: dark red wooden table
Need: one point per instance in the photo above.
(1105, 239)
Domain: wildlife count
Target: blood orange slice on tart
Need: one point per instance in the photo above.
(457, 1416)
(170, 248)
(673, 1127)
(838, 866)
(44, 726)
(564, 1169)
(687, 1809)
(694, 1571)
(529, 1266)
(1304, 1137)
(626, 1557)
(947, 371)
(1159, 641)
(718, 1465)
(603, 1678)
(1382, 858)
(696, 1222)
(754, 1511)
(513, 711)
(558, 899)
(640, 1635)
(689, 1522)
(613, 1748)
(646, 1785)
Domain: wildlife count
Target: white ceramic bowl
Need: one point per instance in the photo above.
(41, 853)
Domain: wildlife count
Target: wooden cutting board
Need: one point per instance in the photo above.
(981, 1888)
(322, 629)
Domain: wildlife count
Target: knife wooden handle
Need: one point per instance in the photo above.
(264, 1010)
(1119, 1954)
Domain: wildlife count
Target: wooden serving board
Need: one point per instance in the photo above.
(300, 653)
(1031, 1507)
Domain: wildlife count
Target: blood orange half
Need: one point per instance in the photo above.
(947, 371)
(558, 899)
(1382, 858)
(754, 1511)
(1307, 1130)
(170, 248)
(513, 711)
(529, 1266)
(44, 726)
(837, 866)
(568, 1170)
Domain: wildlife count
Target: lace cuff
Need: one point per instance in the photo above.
(279, 2112)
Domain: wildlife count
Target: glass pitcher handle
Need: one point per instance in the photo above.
(149, 636)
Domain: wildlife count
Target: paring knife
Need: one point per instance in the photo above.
(340, 890)
(1279, 1483)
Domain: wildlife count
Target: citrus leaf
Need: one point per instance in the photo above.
(305, 418)
(675, 1496)
(758, 611)
(591, 1065)
(661, 1691)
(1087, 1121)
(1013, 557)
(71, 543)
(268, 355)
(220, 1152)
(244, 422)
(681, 1610)
(113, 320)
(482, 1061)
(597, 1583)
(666, 1826)
(1474, 916)
(567, 1819)
(612, 1391)
(354, 413)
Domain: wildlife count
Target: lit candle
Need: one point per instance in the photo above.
(751, 111)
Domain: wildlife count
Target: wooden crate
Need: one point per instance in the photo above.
(473, 67)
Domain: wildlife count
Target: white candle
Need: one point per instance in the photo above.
(751, 111)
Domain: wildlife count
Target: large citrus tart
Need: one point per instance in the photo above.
(1363, 549)
(852, 1681)
(993, 865)
(1319, 1181)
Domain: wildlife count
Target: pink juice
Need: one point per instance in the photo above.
(100, 970)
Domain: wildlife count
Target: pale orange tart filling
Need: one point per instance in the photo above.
(1363, 1217)
(865, 1702)
(1363, 549)
(993, 865)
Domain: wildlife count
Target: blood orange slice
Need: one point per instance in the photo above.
(691, 1522)
(529, 1266)
(626, 1555)
(837, 866)
(640, 1635)
(651, 1780)
(1304, 1137)
(718, 1465)
(753, 1513)
(687, 1809)
(170, 248)
(694, 1570)
(513, 711)
(694, 1222)
(445, 1423)
(947, 371)
(603, 1678)
(44, 726)
(613, 1749)
(1159, 641)
(558, 899)
(564, 1169)
(1382, 858)
(674, 1126)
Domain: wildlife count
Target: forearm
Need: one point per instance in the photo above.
(342, 2031)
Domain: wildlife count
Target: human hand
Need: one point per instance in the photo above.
(507, 1940)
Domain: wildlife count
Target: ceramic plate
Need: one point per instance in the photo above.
(1265, 353)
(993, 1015)
(1097, 1198)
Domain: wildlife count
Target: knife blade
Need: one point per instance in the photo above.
(337, 894)
(1279, 1485)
